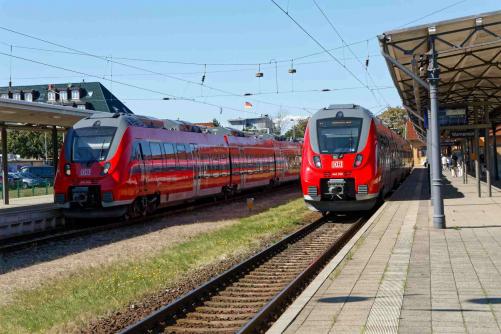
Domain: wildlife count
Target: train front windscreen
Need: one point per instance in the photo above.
(339, 135)
(91, 144)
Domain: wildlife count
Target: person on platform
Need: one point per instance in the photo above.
(454, 165)
(444, 162)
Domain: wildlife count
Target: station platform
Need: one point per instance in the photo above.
(401, 275)
(27, 203)
(26, 215)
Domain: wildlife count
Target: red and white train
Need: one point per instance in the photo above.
(350, 159)
(126, 165)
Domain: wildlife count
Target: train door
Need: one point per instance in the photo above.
(139, 169)
(242, 166)
(197, 169)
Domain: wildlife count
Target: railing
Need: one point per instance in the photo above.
(20, 189)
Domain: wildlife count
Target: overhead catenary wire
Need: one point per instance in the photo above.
(171, 96)
(349, 49)
(325, 49)
(139, 68)
(285, 60)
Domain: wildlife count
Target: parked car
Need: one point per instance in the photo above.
(28, 180)
(44, 172)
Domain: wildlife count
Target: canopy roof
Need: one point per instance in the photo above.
(468, 53)
(22, 113)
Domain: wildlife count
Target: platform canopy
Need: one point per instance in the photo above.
(15, 113)
(468, 55)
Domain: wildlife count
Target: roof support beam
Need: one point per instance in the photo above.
(406, 71)
(412, 111)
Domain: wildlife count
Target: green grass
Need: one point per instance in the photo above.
(70, 302)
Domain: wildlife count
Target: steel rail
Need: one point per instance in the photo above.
(159, 319)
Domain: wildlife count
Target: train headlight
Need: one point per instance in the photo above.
(106, 168)
(317, 162)
(67, 169)
(358, 160)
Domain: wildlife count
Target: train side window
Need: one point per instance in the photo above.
(136, 153)
(181, 155)
(156, 151)
(170, 156)
(145, 148)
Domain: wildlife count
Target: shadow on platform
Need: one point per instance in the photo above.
(344, 299)
(488, 300)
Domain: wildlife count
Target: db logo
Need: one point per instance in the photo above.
(337, 164)
(85, 172)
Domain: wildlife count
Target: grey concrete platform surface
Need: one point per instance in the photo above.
(404, 276)
(26, 203)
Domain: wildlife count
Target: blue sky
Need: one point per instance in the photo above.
(216, 32)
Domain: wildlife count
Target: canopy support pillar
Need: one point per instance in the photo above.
(436, 192)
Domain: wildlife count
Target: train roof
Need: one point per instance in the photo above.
(121, 120)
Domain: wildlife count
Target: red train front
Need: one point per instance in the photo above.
(350, 159)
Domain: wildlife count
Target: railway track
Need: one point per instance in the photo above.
(251, 295)
(20, 242)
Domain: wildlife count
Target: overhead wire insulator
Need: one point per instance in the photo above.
(205, 72)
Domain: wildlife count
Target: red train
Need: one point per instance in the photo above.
(126, 165)
(350, 159)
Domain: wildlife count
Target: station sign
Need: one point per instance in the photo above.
(452, 116)
(466, 133)
(462, 134)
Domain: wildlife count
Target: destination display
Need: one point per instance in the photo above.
(452, 116)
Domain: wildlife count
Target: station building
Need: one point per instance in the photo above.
(81, 95)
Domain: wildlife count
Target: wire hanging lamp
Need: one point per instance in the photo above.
(292, 70)
(259, 74)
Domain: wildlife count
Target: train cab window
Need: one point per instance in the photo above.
(339, 135)
(181, 155)
(92, 143)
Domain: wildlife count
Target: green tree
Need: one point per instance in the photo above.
(297, 131)
(395, 118)
(31, 144)
(215, 122)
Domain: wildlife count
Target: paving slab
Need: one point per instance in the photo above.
(405, 276)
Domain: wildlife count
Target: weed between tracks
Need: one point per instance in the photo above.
(65, 304)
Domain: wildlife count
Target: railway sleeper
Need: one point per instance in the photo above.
(248, 294)
(272, 280)
(234, 304)
(254, 290)
(211, 324)
(179, 329)
(258, 285)
(231, 314)
(231, 299)
(224, 310)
